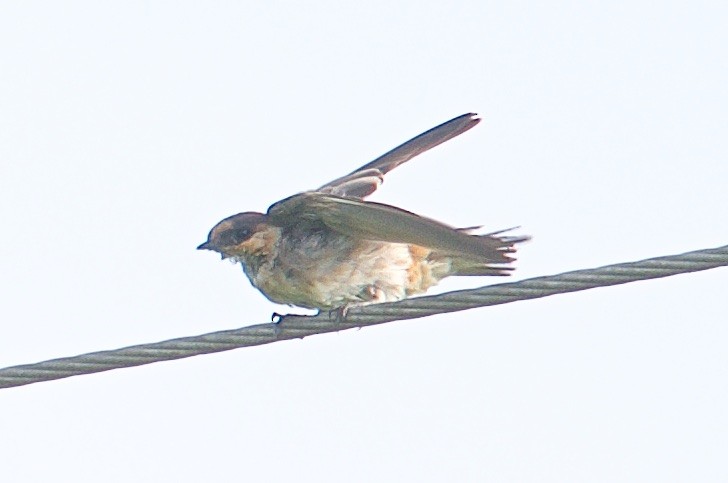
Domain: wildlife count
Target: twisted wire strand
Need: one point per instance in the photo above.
(293, 327)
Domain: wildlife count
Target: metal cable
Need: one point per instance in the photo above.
(293, 327)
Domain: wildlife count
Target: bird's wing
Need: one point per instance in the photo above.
(376, 221)
(365, 180)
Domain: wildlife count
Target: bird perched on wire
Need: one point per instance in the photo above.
(328, 249)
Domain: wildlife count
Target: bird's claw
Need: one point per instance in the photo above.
(338, 314)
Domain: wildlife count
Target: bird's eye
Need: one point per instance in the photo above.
(237, 236)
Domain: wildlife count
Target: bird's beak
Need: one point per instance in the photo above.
(205, 246)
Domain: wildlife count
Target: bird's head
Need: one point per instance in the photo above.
(241, 236)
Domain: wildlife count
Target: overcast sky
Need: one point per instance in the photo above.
(128, 129)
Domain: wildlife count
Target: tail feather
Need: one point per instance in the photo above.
(470, 267)
(466, 268)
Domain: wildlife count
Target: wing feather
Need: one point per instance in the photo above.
(376, 221)
(363, 181)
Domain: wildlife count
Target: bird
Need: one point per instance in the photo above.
(330, 250)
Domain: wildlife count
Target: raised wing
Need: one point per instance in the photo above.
(365, 180)
(376, 221)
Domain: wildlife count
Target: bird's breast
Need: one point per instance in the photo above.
(327, 270)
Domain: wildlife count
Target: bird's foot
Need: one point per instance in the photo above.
(338, 315)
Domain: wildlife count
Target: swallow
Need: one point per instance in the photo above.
(328, 249)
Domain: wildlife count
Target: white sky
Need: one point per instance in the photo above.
(127, 129)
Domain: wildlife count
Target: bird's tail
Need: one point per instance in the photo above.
(460, 265)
